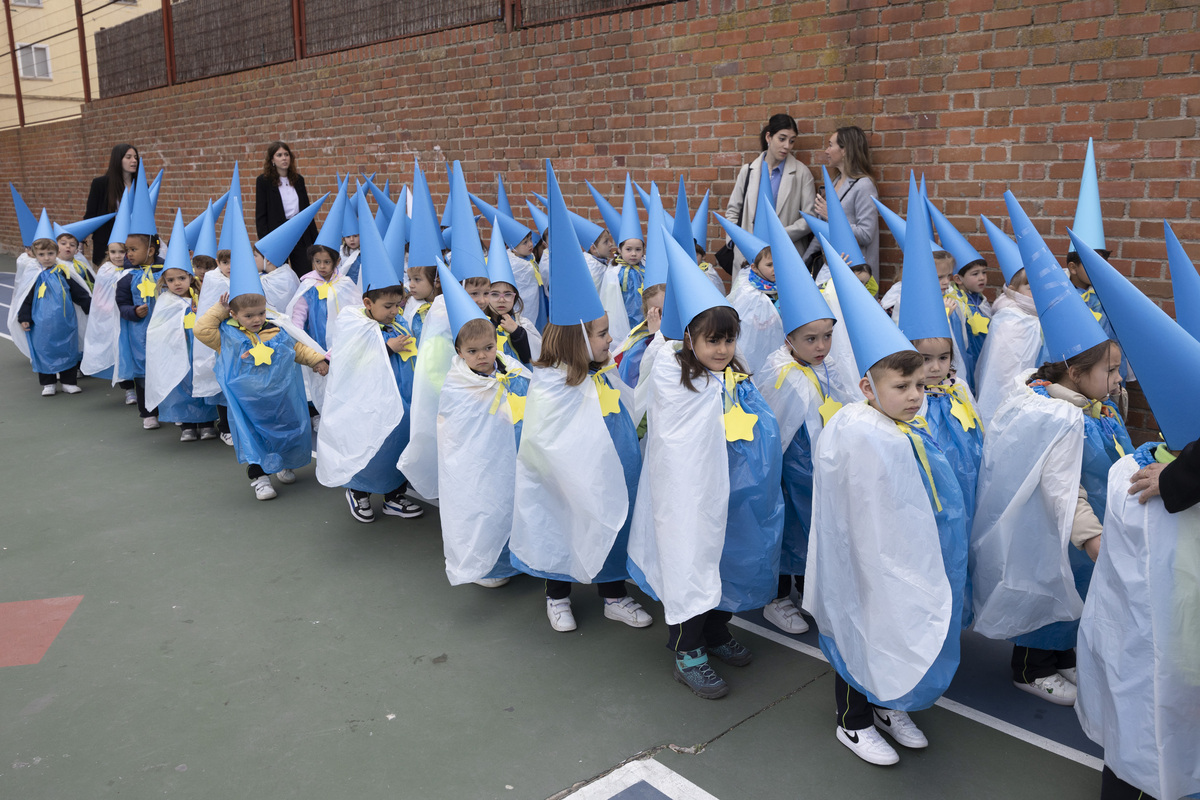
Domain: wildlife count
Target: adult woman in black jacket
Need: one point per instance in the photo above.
(106, 191)
(279, 194)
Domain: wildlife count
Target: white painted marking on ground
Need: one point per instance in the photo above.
(662, 778)
(1015, 731)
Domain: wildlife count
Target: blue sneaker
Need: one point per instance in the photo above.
(693, 671)
(733, 653)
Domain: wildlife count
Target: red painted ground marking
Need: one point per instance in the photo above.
(29, 627)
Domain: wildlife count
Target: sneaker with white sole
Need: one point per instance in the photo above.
(150, 424)
(130, 397)
(402, 507)
(783, 614)
(286, 476)
(559, 613)
(49, 390)
(208, 433)
(869, 745)
(1055, 688)
(899, 726)
(263, 490)
(491, 583)
(1070, 674)
(693, 671)
(627, 610)
(71, 388)
(227, 438)
(188, 435)
(360, 505)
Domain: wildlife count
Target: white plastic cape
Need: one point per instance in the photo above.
(345, 294)
(534, 338)
(614, 303)
(527, 282)
(1139, 671)
(419, 461)
(477, 467)
(363, 404)
(875, 582)
(280, 286)
(166, 347)
(710, 272)
(641, 392)
(100, 347)
(346, 262)
(23, 284)
(795, 401)
(204, 358)
(571, 499)
(1012, 346)
(1024, 508)
(678, 531)
(840, 351)
(762, 329)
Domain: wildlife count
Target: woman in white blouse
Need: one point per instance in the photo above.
(279, 194)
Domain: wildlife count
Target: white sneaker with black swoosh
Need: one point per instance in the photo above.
(899, 726)
(869, 745)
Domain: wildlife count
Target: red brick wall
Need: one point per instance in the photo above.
(980, 96)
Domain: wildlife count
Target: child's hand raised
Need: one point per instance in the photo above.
(508, 323)
(398, 344)
(26, 326)
(653, 319)
(141, 311)
(224, 299)
(322, 369)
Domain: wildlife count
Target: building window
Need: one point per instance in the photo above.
(30, 3)
(34, 60)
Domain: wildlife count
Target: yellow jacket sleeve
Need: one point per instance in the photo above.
(208, 326)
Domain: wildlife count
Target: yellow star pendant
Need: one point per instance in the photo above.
(261, 353)
(828, 409)
(516, 407)
(964, 415)
(322, 291)
(146, 287)
(978, 324)
(189, 320)
(409, 350)
(610, 398)
(739, 426)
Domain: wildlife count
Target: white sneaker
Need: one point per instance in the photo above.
(1070, 674)
(491, 583)
(286, 476)
(188, 435)
(1055, 688)
(783, 614)
(48, 391)
(263, 490)
(71, 388)
(628, 611)
(868, 745)
(150, 423)
(130, 397)
(227, 438)
(900, 727)
(559, 612)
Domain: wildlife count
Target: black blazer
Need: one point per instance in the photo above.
(1179, 483)
(97, 206)
(268, 215)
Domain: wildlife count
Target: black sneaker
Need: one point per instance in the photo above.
(693, 671)
(733, 653)
(208, 433)
(360, 506)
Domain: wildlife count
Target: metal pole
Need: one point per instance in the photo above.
(299, 46)
(83, 59)
(168, 41)
(12, 51)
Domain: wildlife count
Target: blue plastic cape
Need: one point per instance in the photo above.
(317, 319)
(630, 366)
(632, 277)
(54, 338)
(268, 413)
(179, 405)
(380, 475)
(132, 341)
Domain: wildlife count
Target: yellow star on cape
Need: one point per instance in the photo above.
(964, 415)
(409, 350)
(739, 426)
(828, 409)
(610, 398)
(322, 291)
(516, 407)
(189, 320)
(261, 353)
(146, 287)
(978, 324)
(41, 291)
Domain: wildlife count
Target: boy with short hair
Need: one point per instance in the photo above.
(135, 301)
(49, 322)
(69, 255)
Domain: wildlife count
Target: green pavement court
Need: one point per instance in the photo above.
(164, 634)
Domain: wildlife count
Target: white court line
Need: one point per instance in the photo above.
(1015, 731)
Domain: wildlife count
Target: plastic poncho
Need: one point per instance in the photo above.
(631, 278)
(530, 287)
(363, 400)
(577, 473)
(280, 286)
(101, 346)
(169, 343)
(1139, 641)
(415, 312)
(629, 356)
(504, 344)
(478, 431)
(268, 414)
(885, 603)
(1013, 346)
(381, 475)
(204, 358)
(612, 297)
(762, 329)
(54, 344)
(419, 461)
(131, 362)
(841, 354)
(801, 397)
(708, 522)
(325, 299)
(969, 325)
(350, 266)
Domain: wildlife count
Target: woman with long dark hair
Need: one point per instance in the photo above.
(279, 194)
(106, 191)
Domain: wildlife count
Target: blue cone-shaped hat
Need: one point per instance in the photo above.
(396, 237)
(612, 217)
(1185, 283)
(922, 309)
(681, 228)
(177, 251)
(424, 237)
(192, 229)
(1068, 325)
(235, 190)
(514, 232)
(747, 242)
(499, 269)
(631, 226)
(381, 199)
(460, 308)
(141, 219)
(86, 227)
(155, 185)
(1165, 357)
(206, 238)
(586, 231)
(502, 204)
(120, 229)
(573, 297)
(350, 212)
(689, 292)
(1089, 225)
(330, 234)
(817, 226)
(446, 221)
(656, 246)
(378, 272)
(873, 335)
(243, 270)
(1008, 255)
(898, 226)
(44, 230)
(700, 226)
(644, 196)
(540, 220)
(465, 250)
(800, 301)
(277, 245)
(965, 255)
(26, 221)
(842, 237)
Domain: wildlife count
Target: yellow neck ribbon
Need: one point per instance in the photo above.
(960, 405)
(919, 446)
(516, 402)
(828, 406)
(610, 397)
